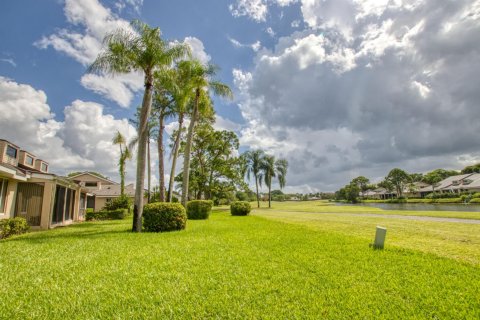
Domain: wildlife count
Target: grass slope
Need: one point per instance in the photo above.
(331, 207)
(226, 267)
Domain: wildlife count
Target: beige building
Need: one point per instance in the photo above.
(101, 190)
(28, 190)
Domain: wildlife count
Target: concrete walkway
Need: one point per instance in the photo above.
(396, 216)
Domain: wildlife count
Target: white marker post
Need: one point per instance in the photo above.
(380, 235)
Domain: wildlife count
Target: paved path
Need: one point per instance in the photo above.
(397, 216)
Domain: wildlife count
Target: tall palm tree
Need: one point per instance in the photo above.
(125, 154)
(138, 49)
(253, 160)
(200, 79)
(267, 168)
(271, 169)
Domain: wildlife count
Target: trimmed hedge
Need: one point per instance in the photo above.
(118, 214)
(11, 227)
(199, 209)
(475, 200)
(449, 200)
(164, 216)
(240, 208)
(122, 202)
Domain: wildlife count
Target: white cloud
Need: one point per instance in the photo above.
(10, 61)
(254, 46)
(198, 49)
(270, 32)
(222, 123)
(95, 21)
(256, 10)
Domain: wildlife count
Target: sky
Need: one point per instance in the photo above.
(340, 88)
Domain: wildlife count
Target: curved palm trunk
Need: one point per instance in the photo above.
(256, 185)
(270, 196)
(142, 144)
(175, 157)
(161, 157)
(188, 147)
(149, 170)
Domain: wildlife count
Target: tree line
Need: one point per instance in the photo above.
(178, 86)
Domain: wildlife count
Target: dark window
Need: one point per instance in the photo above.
(90, 184)
(11, 152)
(3, 194)
(59, 205)
(29, 161)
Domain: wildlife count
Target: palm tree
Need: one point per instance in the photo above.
(125, 154)
(271, 169)
(253, 160)
(138, 49)
(200, 80)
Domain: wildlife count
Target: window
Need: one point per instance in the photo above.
(3, 194)
(90, 184)
(29, 160)
(11, 152)
(44, 167)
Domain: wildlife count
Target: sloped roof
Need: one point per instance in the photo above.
(112, 191)
(447, 183)
(94, 176)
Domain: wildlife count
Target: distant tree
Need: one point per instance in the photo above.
(432, 178)
(471, 169)
(271, 168)
(416, 177)
(120, 140)
(398, 178)
(387, 185)
(253, 161)
(361, 182)
(444, 173)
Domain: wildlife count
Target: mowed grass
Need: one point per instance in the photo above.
(227, 267)
(331, 207)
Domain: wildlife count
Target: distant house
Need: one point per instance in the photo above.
(455, 184)
(101, 190)
(28, 190)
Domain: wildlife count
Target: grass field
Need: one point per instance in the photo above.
(331, 207)
(231, 267)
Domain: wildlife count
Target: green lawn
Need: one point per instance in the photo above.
(331, 207)
(228, 267)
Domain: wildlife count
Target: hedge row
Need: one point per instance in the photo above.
(164, 216)
(14, 226)
(118, 214)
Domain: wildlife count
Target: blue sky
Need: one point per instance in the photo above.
(340, 88)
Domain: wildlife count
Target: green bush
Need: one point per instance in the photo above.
(420, 200)
(117, 214)
(174, 199)
(122, 202)
(240, 208)
(398, 200)
(11, 227)
(164, 216)
(476, 195)
(199, 209)
(475, 200)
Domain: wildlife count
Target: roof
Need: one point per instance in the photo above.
(13, 144)
(449, 183)
(112, 191)
(93, 175)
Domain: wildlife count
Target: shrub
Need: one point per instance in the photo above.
(475, 200)
(164, 216)
(118, 214)
(240, 208)
(221, 202)
(122, 202)
(11, 227)
(449, 200)
(476, 195)
(398, 200)
(174, 199)
(199, 209)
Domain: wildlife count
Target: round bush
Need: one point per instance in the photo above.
(164, 216)
(199, 209)
(240, 208)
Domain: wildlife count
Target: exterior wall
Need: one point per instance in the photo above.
(23, 157)
(47, 206)
(3, 155)
(10, 200)
(38, 165)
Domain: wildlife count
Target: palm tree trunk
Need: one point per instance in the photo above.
(256, 185)
(175, 156)
(188, 147)
(122, 172)
(269, 196)
(142, 144)
(149, 169)
(161, 157)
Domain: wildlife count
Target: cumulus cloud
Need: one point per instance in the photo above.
(371, 85)
(237, 44)
(83, 141)
(89, 22)
(198, 49)
(256, 10)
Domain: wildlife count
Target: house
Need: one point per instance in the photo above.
(101, 190)
(455, 184)
(28, 190)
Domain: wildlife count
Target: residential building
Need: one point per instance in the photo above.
(28, 190)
